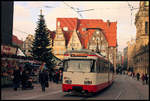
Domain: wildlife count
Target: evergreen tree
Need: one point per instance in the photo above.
(41, 49)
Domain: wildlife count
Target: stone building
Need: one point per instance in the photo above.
(119, 59)
(74, 43)
(141, 58)
(130, 54)
(125, 58)
(27, 44)
(16, 42)
(86, 34)
(59, 44)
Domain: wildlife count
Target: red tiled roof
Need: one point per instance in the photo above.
(84, 36)
(71, 23)
(16, 40)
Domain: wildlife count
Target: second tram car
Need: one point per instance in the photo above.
(86, 72)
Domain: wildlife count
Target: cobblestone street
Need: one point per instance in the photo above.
(123, 88)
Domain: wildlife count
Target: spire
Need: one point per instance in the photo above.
(41, 12)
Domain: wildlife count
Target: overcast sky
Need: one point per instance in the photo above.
(26, 15)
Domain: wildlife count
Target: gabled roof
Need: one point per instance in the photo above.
(109, 29)
(16, 40)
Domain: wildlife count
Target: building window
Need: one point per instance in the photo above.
(146, 3)
(58, 24)
(83, 29)
(97, 32)
(65, 28)
(146, 27)
(93, 38)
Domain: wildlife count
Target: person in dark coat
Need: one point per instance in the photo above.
(50, 75)
(57, 77)
(43, 79)
(146, 78)
(138, 76)
(17, 78)
(24, 79)
(143, 78)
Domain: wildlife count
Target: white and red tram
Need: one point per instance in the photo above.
(86, 71)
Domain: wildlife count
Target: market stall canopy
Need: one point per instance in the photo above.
(20, 53)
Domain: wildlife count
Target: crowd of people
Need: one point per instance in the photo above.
(49, 75)
(143, 77)
(22, 75)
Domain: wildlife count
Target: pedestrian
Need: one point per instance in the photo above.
(143, 78)
(16, 78)
(57, 77)
(25, 78)
(60, 75)
(146, 78)
(50, 75)
(133, 74)
(138, 76)
(43, 79)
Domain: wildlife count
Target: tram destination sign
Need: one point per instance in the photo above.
(79, 55)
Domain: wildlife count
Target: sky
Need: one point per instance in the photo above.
(26, 15)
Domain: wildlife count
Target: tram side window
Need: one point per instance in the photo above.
(97, 66)
(65, 65)
(100, 66)
(104, 67)
(107, 67)
(93, 66)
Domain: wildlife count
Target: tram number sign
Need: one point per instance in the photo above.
(78, 55)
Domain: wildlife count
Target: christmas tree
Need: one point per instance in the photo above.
(41, 49)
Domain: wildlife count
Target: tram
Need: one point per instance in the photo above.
(86, 72)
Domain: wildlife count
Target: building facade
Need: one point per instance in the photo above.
(27, 44)
(119, 59)
(74, 42)
(7, 8)
(86, 34)
(59, 44)
(141, 58)
(98, 41)
(130, 54)
(125, 58)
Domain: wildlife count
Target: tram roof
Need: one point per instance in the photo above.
(87, 51)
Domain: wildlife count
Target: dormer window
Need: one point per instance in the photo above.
(65, 28)
(97, 32)
(58, 24)
(83, 29)
(93, 38)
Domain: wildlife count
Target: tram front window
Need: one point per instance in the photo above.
(79, 65)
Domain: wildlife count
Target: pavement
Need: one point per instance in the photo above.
(10, 94)
(142, 90)
(53, 89)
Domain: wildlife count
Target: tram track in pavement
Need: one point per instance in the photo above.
(120, 93)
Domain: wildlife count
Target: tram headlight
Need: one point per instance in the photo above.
(67, 80)
(88, 82)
